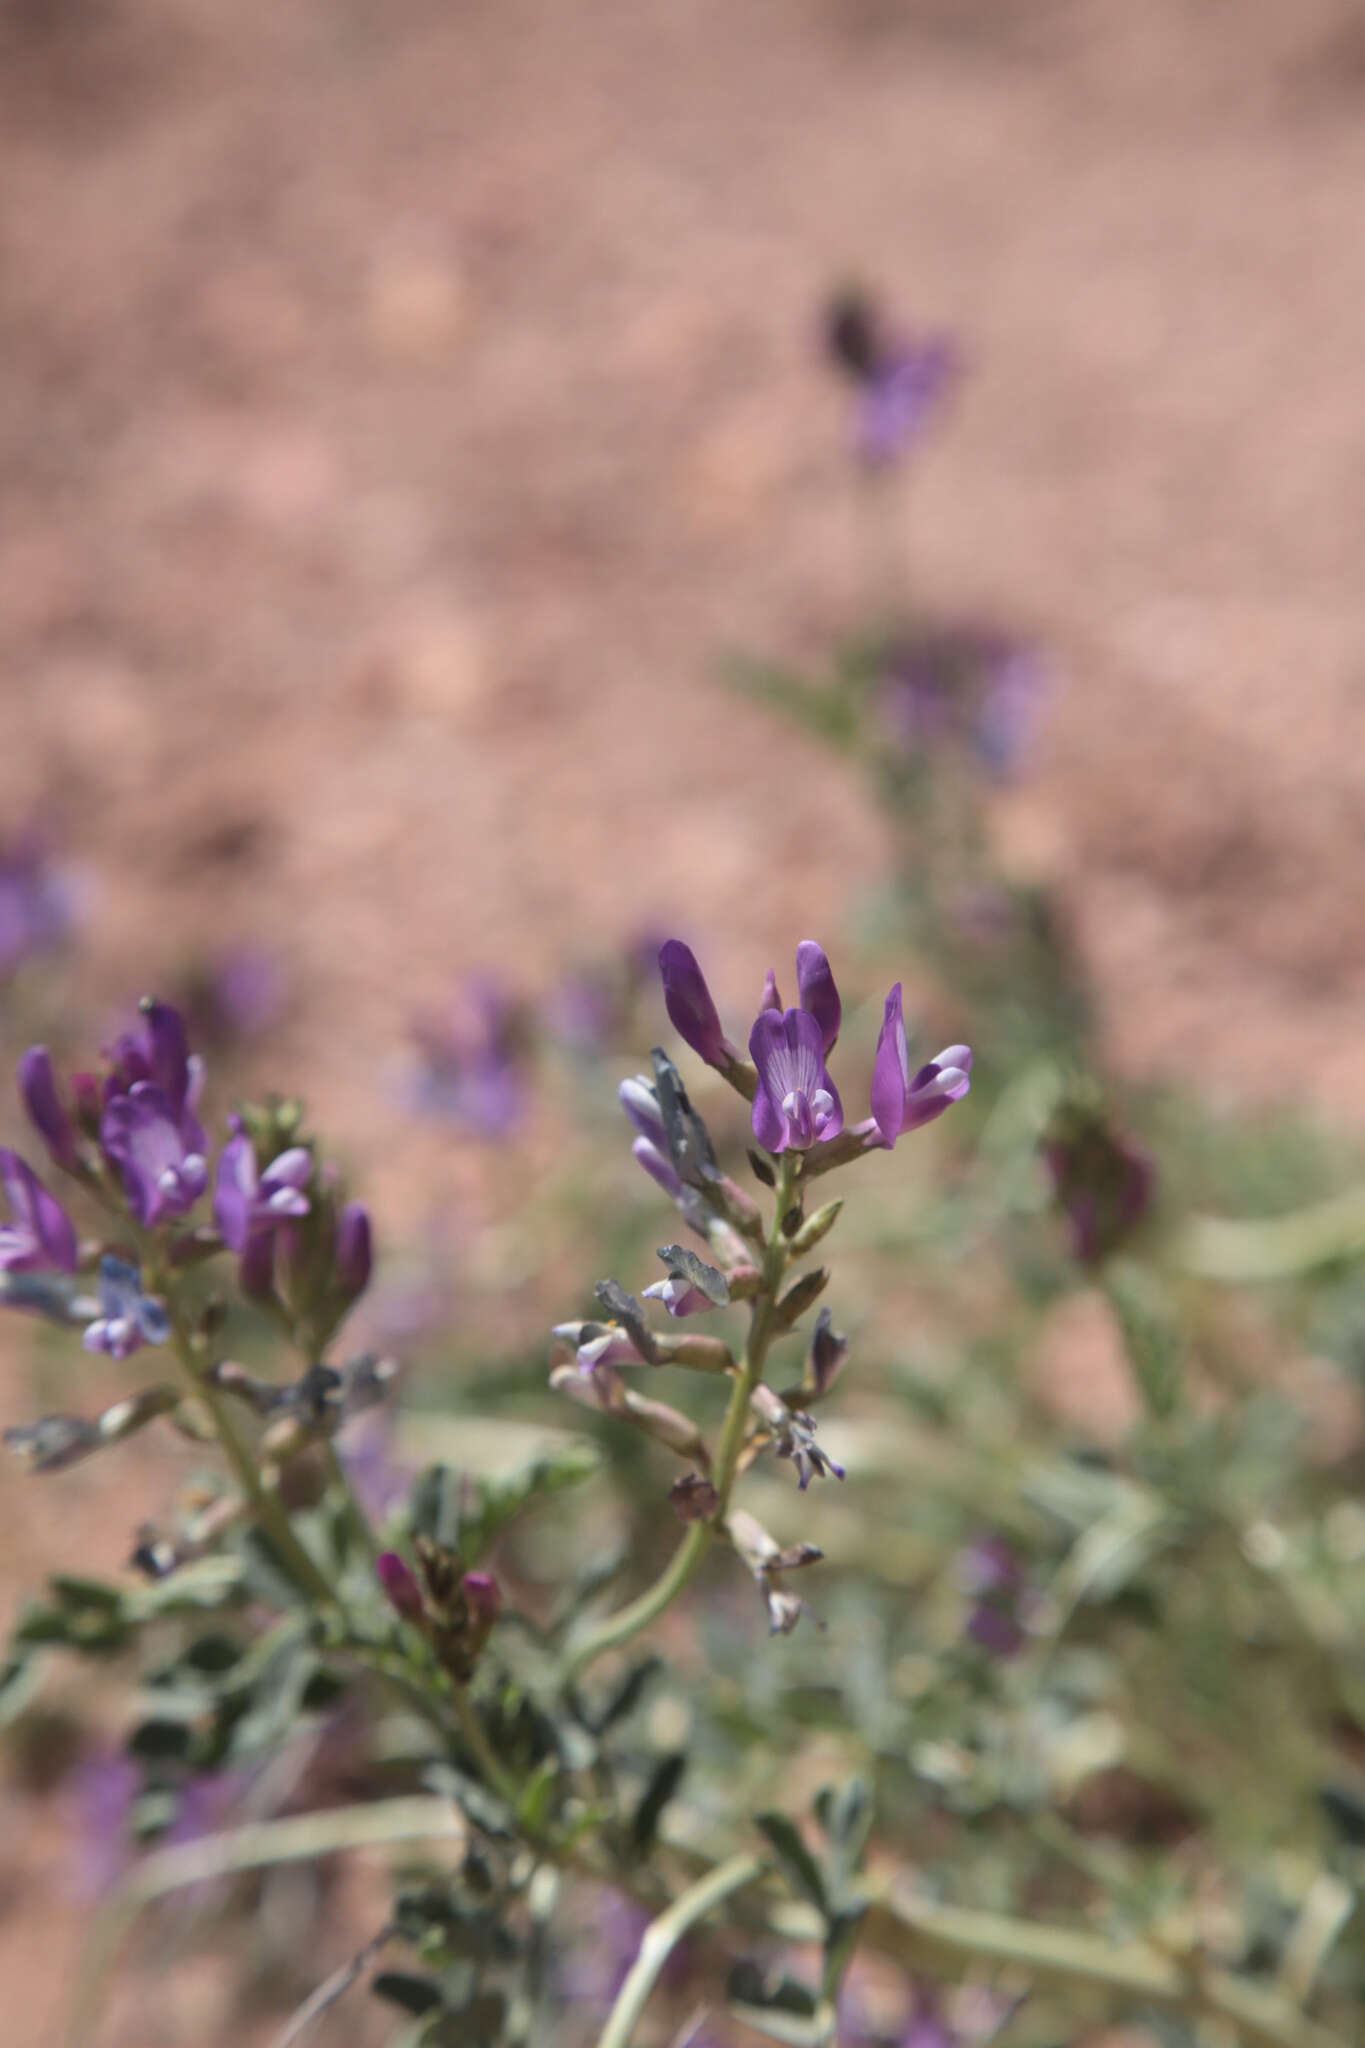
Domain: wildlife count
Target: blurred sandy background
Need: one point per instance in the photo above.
(403, 407)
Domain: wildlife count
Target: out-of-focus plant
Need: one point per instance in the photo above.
(829, 1679)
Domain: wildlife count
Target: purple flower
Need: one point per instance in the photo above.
(795, 1103)
(901, 1101)
(158, 1052)
(473, 1062)
(100, 1800)
(36, 912)
(968, 684)
(39, 1234)
(815, 987)
(159, 1154)
(993, 1577)
(678, 1296)
(599, 1344)
(128, 1318)
(690, 1008)
(901, 397)
(46, 1110)
(640, 1101)
(248, 1204)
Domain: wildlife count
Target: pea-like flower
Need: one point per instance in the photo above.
(39, 1235)
(795, 1103)
(159, 1153)
(249, 1203)
(691, 1009)
(640, 1101)
(128, 1318)
(902, 1101)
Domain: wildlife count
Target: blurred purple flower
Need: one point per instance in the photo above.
(99, 1806)
(37, 911)
(236, 995)
(354, 1245)
(992, 1575)
(39, 1234)
(901, 380)
(128, 1318)
(43, 1103)
(159, 1153)
(399, 1585)
(248, 1203)
(965, 684)
(473, 1061)
(378, 1478)
(795, 1103)
(585, 1012)
(901, 1101)
(157, 1052)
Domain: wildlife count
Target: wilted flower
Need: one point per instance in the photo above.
(39, 1234)
(473, 1061)
(1102, 1182)
(901, 1101)
(128, 1318)
(795, 1103)
(828, 1350)
(691, 1287)
(599, 1344)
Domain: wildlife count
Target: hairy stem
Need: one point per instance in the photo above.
(628, 1621)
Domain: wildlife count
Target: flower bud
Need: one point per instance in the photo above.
(818, 995)
(46, 1112)
(484, 1596)
(799, 1298)
(399, 1585)
(815, 1228)
(691, 1010)
(354, 1250)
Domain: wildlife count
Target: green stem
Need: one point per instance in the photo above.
(267, 1506)
(336, 1475)
(662, 1936)
(628, 1621)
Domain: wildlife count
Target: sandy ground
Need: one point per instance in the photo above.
(404, 407)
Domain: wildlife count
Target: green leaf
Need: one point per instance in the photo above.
(20, 1678)
(664, 1781)
(627, 1695)
(1151, 1339)
(410, 1993)
(798, 1865)
(533, 1808)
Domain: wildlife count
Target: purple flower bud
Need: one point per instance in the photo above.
(46, 1111)
(354, 1250)
(640, 1102)
(818, 993)
(688, 1001)
(795, 1103)
(128, 1318)
(399, 1585)
(901, 1101)
(770, 999)
(158, 1052)
(39, 1234)
(141, 1133)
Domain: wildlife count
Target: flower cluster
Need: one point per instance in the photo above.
(131, 1138)
(797, 1121)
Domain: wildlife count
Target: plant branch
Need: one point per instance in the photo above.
(662, 1936)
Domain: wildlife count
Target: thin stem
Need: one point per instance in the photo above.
(495, 1772)
(662, 1936)
(337, 1477)
(628, 1621)
(267, 1506)
(331, 1989)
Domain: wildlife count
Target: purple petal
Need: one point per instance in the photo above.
(168, 1051)
(770, 1000)
(292, 1169)
(688, 1001)
(42, 1235)
(354, 1250)
(38, 1088)
(890, 1071)
(637, 1098)
(234, 1194)
(818, 994)
(648, 1155)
